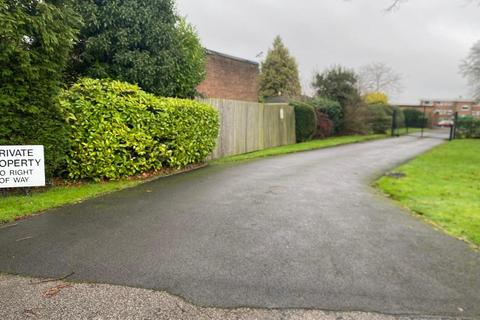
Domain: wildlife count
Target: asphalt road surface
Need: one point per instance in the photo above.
(296, 231)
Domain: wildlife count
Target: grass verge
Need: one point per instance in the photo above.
(18, 206)
(443, 186)
(305, 146)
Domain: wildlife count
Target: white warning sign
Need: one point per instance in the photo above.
(22, 166)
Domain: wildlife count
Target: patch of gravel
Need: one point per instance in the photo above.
(30, 298)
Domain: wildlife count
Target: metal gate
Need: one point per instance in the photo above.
(424, 129)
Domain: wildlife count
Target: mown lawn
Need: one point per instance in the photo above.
(443, 186)
(305, 146)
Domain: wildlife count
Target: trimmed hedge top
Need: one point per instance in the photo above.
(118, 130)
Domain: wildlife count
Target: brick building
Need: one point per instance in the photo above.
(444, 110)
(230, 77)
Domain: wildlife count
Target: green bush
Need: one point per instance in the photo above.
(144, 42)
(339, 84)
(413, 118)
(332, 109)
(324, 127)
(356, 119)
(468, 127)
(35, 41)
(400, 116)
(118, 130)
(380, 118)
(305, 121)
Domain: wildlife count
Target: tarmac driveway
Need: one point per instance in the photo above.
(297, 231)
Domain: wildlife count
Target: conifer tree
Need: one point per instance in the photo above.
(279, 73)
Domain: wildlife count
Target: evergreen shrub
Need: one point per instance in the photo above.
(117, 130)
(305, 121)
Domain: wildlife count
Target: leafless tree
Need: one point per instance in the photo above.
(470, 68)
(378, 77)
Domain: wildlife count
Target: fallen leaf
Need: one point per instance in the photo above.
(55, 290)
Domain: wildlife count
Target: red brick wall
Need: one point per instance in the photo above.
(230, 78)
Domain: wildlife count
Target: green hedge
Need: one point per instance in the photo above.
(468, 127)
(414, 118)
(379, 118)
(117, 130)
(401, 120)
(332, 109)
(400, 117)
(305, 121)
(35, 41)
(46, 127)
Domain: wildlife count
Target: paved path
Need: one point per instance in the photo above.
(28, 298)
(296, 231)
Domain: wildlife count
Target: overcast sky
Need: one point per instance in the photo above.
(425, 40)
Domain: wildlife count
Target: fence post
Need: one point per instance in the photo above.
(455, 126)
(394, 122)
(451, 132)
(452, 129)
(424, 122)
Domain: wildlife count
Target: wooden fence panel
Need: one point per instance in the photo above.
(250, 126)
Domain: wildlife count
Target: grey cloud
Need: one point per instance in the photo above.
(425, 40)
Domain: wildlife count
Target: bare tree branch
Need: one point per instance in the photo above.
(470, 69)
(378, 77)
(394, 5)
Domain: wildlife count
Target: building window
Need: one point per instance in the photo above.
(465, 108)
(442, 112)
